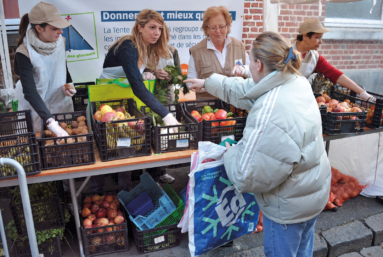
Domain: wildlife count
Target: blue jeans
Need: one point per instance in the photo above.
(288, 240)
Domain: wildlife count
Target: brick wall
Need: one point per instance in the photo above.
(342, 54)
(12, 50)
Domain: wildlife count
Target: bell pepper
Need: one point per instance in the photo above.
(206, 109)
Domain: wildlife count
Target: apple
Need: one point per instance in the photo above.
(103, 221)
(94, 208)
(118, 219)
(98, 225)
(99, 108)
(88, 232)
(113, 206)
(111, 213)
(110, 228)
(102, 197)
(92, 217)
(333, 102)
(101, 213)
(120, 109)
(85, 212)
(110, 239)
(119, 213)
(105, 109)
(88, 200)
(87, 205)
(95, 198)
(97, 115)
(98, 202)
(87, 222)
(109, 116)
(138, 125)
(105, 204)
(117, 202)
(337, 108)
(108, 198)
(120, 116)
(114, 197)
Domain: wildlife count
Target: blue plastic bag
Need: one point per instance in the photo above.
(218, 213)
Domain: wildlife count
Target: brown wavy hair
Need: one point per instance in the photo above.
(154, 51)
(24, 22)
(272, 50)
(213, 11)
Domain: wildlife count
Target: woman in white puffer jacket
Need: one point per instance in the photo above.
(281, 157)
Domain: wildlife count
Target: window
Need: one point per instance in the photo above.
(362, 14)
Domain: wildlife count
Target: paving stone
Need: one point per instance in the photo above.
(375, 222)
(320, 246)
(351, 237)
(375, 251)
(253, 252)
(354, 254)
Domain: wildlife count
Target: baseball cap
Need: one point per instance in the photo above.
(312, 25)
(47, 13)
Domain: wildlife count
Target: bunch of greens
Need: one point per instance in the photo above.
(2, 107)
(161, 88)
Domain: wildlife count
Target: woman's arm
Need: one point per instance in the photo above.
(128, 57)
(192, 73)
(25, 70)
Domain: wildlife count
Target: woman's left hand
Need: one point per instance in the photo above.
(148, 76)
(162, 74)
(196, 84)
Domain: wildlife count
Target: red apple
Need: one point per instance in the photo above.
(98, 230)
(95, 198)
(110, 239)
(103, 221)
(94, 208)
(97, 115)
(88, 232)
(117, 202)
(119, 219)
(138, 125)
(119, 213)
(112, 213)
(108, 198)
(101, 106)
(114, 197)
(101, 213)
(111, 220)
(120, 109)
(105, 204)
(98, 202)
(110, 228)
(88, 200)
(113, 206)
(337, 108)
(85, 212)
(102, 197)
(87, 222)
(87, 205)
(109, 116)
(92, 217)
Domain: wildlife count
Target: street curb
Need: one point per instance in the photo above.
(375, 222)
(320, 246)
(351, 237)
(354, 254)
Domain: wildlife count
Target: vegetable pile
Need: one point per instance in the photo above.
(218, 114)
(161, 89)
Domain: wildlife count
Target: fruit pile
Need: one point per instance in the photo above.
(103, 213)
(343, 188)
(78, 127)
(20, 154)
(218, 114)
(135, 130)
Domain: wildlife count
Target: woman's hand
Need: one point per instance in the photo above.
(148, 76)
(196, 84)
(68, 89)
(238, 71)
(169, 120)
(367, 97)
(161, 74)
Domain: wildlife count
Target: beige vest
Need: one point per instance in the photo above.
(206, 62)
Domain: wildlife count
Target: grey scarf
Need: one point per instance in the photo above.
(40, 46)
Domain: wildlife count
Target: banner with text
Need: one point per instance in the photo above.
(97, 24)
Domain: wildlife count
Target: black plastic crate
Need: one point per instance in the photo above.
(107, 239)
(345, 122)
(186, 137)
(54, 155)
(323, 115)
(116, 139)
(46, 213)
(152, 240)
(374, 110)
(18, 142)
(212, 130)
(81, 98)
(5, 192)
(50, 248)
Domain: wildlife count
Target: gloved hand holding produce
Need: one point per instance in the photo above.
(197, 85)
(238, 71)
(162, 74)
(54, 127)
(367, 97)
(68, 89)
(148, 76)
(169, 120)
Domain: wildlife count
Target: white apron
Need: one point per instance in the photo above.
(307, 68)
(49, 73)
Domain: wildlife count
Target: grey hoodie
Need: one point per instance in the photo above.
(281, 157)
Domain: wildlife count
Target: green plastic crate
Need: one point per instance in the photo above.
(174, 217)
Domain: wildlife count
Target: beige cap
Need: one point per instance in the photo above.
(312, 25)
(47, 13)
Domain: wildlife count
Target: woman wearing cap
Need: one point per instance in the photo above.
(281, 157)
(218, 53)
(308, 41)
(40, 62)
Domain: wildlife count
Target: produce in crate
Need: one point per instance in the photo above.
(75, 128)
(19, 154)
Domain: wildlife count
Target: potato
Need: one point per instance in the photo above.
(74, 124)
(49, 142)
(81, 124)
(70, 140)
(63, 125)
(75, 132)
(47, 133)
(69, 131)
(81, 118)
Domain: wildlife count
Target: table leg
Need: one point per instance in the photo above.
(327, 147)
(76, 217)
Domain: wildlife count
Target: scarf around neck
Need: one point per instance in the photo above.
(40, 46)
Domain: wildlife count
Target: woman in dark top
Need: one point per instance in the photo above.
(41, 64)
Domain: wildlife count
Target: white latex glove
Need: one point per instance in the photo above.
(169, 120)
(238, 71)
(367, 97)
(197, 85)
(148, 76)
(161, 74)
(69, 91)
(54, 127)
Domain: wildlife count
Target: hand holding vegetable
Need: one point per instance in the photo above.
(196, 84)
(161, 74)
(54, 127)
(68, 89)
(238, 71)
(148, 76)
(169, 120)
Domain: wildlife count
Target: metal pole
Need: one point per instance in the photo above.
(26, 203)
(72, 189)
(3, 237)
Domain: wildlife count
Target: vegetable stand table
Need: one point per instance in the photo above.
(121, 165)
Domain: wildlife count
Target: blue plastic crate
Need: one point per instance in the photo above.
(141, 205)
(163, 205)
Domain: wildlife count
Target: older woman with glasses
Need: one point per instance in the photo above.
(218, 53)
